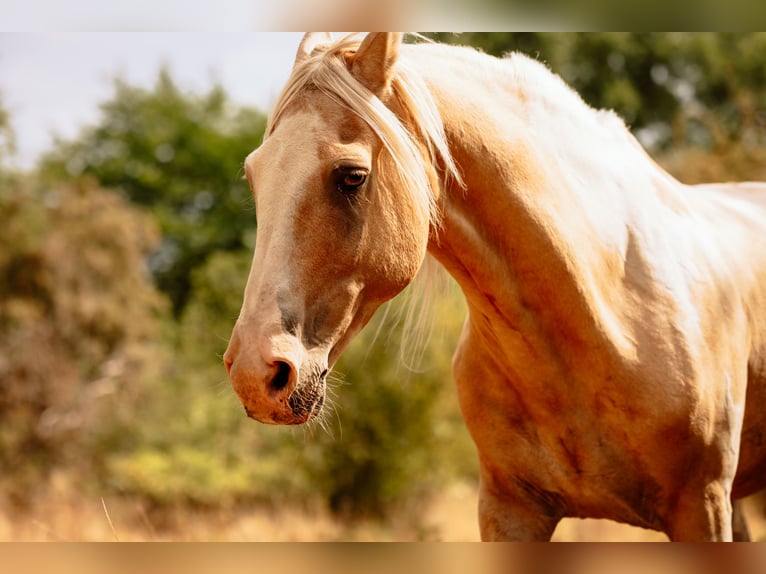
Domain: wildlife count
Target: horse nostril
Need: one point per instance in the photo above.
(282, 377)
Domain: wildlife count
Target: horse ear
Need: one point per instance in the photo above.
(310, 41)
(374, 61)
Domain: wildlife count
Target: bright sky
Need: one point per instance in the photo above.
(53, 82)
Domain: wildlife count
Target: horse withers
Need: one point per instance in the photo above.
(613, 361)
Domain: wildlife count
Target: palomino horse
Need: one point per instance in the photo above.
(613, 362)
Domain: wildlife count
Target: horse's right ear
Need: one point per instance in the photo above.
(374, 60)
(310, 41)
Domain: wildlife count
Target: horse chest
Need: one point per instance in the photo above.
(540, 433)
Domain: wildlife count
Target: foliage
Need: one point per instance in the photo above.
(180, 155)
(76, 307)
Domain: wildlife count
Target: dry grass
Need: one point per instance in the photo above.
(60, 514)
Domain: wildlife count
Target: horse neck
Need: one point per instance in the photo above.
(499, 244)
(538, 221)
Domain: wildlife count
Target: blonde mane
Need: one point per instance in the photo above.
(326, 69)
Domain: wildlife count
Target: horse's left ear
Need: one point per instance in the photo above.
(374, 61)
(310, 41)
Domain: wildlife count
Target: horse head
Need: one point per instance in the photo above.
(343, 194)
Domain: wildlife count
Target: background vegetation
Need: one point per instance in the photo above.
(123, 258)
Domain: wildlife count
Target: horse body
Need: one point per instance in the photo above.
(612, 351)
(617, 318)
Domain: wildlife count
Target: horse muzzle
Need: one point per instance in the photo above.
(274, 378)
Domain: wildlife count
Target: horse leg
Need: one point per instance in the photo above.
(703, 514)
(508, 517)
(740, 531)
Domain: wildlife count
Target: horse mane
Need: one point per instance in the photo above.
(551, 97)
(327, 70)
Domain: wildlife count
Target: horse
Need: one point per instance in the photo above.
(613, 359)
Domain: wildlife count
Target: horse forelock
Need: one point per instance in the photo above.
(327, 69)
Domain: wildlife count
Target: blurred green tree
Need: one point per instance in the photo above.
(179, 155)
(77, 315)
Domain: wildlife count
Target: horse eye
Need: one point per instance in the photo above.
(350, 180)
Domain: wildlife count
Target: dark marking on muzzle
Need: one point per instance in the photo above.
(312, 337)
(289, 322)
(310, 330)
